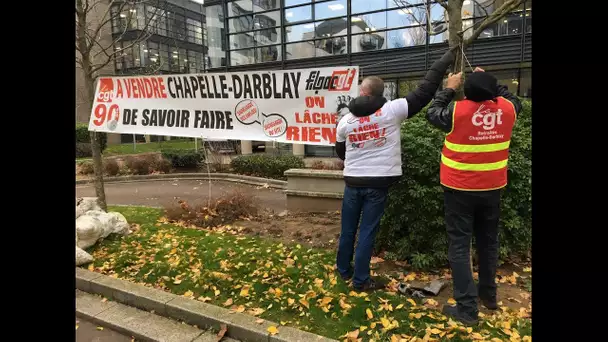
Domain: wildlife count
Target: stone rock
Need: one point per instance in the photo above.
(111, 223)
(88, 230)
(84, 204)
(82, 257)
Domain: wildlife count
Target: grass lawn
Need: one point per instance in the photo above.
(112, 150)
(290, 284)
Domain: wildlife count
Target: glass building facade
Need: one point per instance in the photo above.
(394, 39)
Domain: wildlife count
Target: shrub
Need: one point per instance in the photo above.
(162, 165)
(224, 210)
(413, 226)
(185, 158)
(333, 165)
(111, 167)
(82, 136)
(266, 166)
(83, 150)
(138, 165)
(86, 167)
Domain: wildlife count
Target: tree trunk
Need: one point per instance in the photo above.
(455, 39)
(96, 148)
(89, 84)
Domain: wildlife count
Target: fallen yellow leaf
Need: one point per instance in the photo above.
(259, 321)
(290, 301)
(100, 328)
(273, 330)
(362, 328)
(305, 303)
(411, 301)
(240, 308)
(394, 338)
(204, 299)
(245, 291)
(228, 302)
(435, 331)
(476, 336)
(369, 313)
(451, 301)
(217, 293)
(256, 311)
(283, 322)
(352, 335)
(76, 326)
(385, 322)
(399, 307)
(189, 294)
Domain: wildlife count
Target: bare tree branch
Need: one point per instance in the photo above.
(480, 6)
(498, 14)
(443, 3)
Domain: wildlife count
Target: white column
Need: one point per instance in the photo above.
(298, 150)
(246, 147)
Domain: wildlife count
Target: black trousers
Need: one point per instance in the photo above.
(468, 213)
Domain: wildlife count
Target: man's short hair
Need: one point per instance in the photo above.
(373, 85)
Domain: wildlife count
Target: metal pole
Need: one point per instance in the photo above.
(134, 148)
(195, 144)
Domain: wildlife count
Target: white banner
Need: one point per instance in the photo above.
(291, 106)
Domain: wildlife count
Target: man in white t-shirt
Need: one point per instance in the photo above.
(368, 139)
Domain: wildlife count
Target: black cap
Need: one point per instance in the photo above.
(480, 86)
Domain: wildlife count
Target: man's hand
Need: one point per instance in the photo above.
(454, 81)
(478, 69)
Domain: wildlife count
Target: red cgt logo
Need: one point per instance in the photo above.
(106, 90)
(342, 80)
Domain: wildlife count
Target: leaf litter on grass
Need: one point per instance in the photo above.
(283, 283)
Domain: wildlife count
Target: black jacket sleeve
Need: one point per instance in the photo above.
(423, 94)
(341, 149)
(504, 92)
(441, 111)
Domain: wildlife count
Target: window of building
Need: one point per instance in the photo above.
(195, 31)
(267, 37)
(157, 20)
(529, 16)
(368, 41)
(300, 32)
(265, 5)
(215, 38)
(164, 57)
(174, 60)
(268, 54)
(525, 83)
(298, 14)
(241, 41)
(242, 57)
(296, 2)
(367, 22)
(330, 9)
(240, 7)
(176, 25)
(300, 50)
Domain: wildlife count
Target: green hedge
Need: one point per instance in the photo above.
(267, 166)
(186, 158)
(82, 137)
(413, 227)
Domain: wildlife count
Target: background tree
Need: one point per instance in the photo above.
(461, 33)
(97, 46)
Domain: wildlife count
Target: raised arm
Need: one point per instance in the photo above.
(441, 110)
(423, 94)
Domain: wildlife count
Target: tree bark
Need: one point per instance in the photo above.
(455, 39)
(89, 83)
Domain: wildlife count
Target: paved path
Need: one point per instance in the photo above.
(87, 332)
(162, 192)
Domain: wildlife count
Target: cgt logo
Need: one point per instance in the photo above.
(486, 118)
(106, 90)
(340, 80)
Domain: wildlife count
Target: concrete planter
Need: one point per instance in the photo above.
(314, 190)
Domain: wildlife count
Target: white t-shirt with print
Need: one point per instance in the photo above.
(373, 143)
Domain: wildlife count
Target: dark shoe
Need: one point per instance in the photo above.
(453, 312)
(370, 285)
(489, 303)
(345, 278)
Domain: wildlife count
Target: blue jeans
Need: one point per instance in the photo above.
(371, 202)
